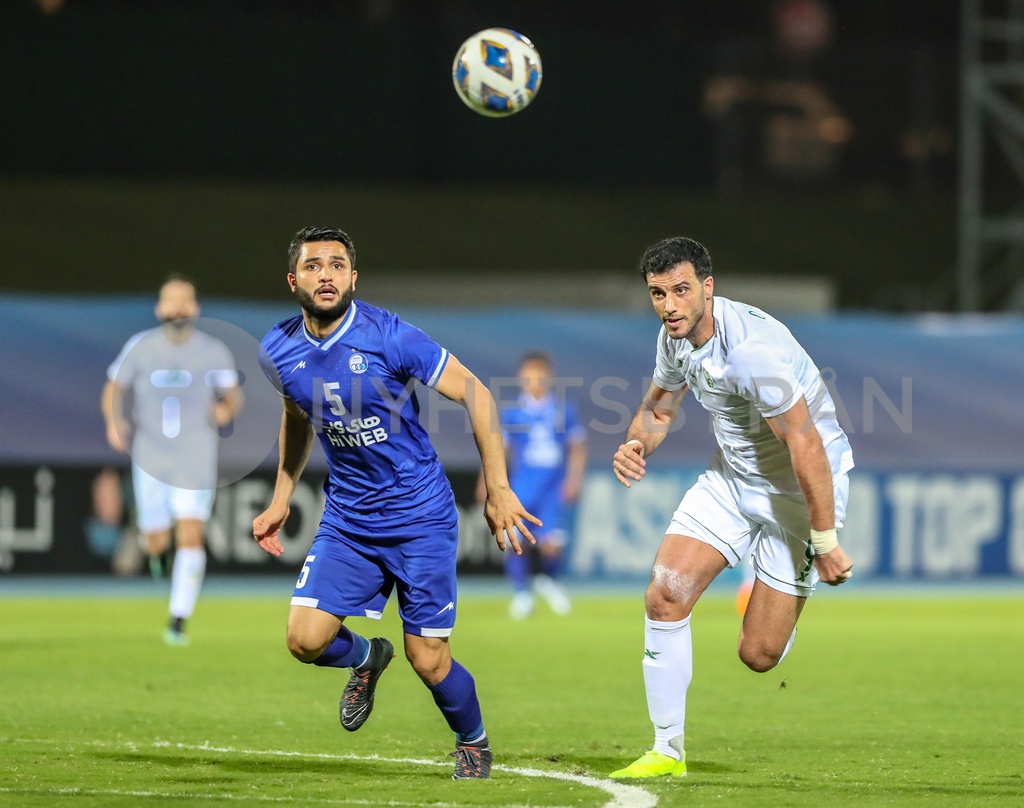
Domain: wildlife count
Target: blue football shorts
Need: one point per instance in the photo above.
(351, 578)
(551, 511)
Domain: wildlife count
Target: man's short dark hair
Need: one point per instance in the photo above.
(536, 356)
(670, 252)
(178, 277)
(308, 234)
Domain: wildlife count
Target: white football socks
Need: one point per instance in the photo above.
(668, 668)
(789, 645)
(186, 580)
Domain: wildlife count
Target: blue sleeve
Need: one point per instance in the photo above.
(413, 354)
(268, 366)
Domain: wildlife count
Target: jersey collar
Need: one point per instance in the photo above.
(339, 332)
(531, 404)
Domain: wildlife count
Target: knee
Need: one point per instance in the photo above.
(431, 664)
(303, 646)
(656, 603)
(757, 656)
(188, 533)
(158, 543)
(550, 550)
(669, 595)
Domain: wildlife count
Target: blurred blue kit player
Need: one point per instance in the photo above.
(546, 447)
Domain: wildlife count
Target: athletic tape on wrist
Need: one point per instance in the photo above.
(824, 540)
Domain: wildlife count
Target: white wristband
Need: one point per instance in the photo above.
(628, 442)
(824, 541)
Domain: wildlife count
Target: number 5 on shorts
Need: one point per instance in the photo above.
(304, 574)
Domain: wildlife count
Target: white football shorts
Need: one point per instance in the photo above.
(734, 517)
(159, 505)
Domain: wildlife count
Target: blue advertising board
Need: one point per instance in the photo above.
(932, 405)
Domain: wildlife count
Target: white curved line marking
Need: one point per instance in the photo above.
(622, 795)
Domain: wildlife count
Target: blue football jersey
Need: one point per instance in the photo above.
(357, 386)
(537, 433)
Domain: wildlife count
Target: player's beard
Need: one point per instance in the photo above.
(325, 315)
(693, 321)
(177, 326)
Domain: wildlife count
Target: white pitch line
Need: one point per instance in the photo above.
(623, 796)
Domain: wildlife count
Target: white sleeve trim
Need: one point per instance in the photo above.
(665, 384)
(785, 406)
(439, 368)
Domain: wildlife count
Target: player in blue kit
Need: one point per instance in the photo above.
(346, 371)
(546, 446)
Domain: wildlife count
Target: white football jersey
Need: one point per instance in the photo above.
(751, 369)
(174, 387)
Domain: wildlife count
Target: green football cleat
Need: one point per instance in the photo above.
(652, 764)
(175, 634)
(175, 638)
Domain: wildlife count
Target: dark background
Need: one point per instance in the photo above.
(139, 138)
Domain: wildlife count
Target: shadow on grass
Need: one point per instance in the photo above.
(711, 767)
(264, 766)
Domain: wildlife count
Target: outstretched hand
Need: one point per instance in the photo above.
(505, 514)
(267, 526)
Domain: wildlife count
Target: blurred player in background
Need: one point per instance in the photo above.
(181, 386)
(777, 487)
(547, 450)
(106, 534)
(346, 371)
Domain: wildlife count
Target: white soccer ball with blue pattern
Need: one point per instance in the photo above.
(497, 72)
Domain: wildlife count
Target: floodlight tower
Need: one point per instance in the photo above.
(991, 239)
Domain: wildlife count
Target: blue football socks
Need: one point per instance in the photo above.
(551, 565)
(517, 568)
(455, 696)
(346, 651)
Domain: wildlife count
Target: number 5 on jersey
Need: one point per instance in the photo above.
(337, 405)
(304, 573)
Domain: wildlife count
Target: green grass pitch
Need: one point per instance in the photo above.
(884, 701)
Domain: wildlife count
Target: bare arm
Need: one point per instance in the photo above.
(112, 407)
(796, 430)
(576, 466)
(502, 509)
(294, 443)
(480, 493)
(481, 485)
(646, 431)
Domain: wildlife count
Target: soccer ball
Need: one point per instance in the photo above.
(497, 72)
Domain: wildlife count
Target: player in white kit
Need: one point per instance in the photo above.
(183, 387)
(777, 485)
